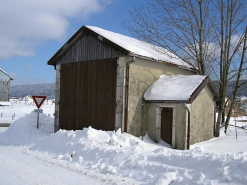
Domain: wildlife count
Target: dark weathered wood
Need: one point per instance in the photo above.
(88, 95)
(87, 48)
(5, 124)
(166, 125)
(64, 98)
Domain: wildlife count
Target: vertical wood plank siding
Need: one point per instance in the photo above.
(87, 48)
(88, 95)
(88, 85)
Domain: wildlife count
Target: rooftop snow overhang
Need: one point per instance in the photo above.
(193, 95)
(87, 31)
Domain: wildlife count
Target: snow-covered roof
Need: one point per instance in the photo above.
(140, 48)
(174, 88)
(125, 45)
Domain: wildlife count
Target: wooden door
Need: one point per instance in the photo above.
(88, 95)
(166, 125)
(64, 101)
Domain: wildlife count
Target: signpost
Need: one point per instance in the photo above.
(38, 100)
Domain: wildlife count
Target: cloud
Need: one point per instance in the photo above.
(27, 23)
(29, 66)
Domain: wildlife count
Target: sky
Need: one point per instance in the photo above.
(31, 32)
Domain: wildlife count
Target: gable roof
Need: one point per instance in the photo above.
(5, 74)
(178, 88)
(126, 45)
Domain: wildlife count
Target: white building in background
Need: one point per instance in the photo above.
(4, 87)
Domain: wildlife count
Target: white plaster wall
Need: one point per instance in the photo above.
(142, 74)
(202, 117)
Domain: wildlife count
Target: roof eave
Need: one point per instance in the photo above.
(52, 61)
(161, 61)
(205, 82)
(213, 90)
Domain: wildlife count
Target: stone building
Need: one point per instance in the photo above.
(4, 86)
(101, 77)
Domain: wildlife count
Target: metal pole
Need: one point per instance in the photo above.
(38, 121)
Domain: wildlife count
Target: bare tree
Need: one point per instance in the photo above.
(226, 31)
(241, 69)
(182, 27)
(203, 33)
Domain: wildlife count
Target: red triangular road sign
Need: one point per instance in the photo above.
(39, 100)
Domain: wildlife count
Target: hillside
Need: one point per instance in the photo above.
(241, 92)
(47, 89)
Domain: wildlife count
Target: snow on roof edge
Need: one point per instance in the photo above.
(144, 49)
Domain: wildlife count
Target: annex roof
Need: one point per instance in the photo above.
(127, 45)
(177, 88)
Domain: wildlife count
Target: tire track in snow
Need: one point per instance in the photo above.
(20, 168)
(13, 172)
(16, 171)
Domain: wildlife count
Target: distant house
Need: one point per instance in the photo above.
(237, 110)
(4, 87)
(101, 78)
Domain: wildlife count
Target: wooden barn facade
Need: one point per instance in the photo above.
(101, 77)
(88, 95)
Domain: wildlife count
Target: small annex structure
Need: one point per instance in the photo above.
(181, 109)
(4, 88)
(101, 77)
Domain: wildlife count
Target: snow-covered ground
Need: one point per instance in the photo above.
(115, 157)
(18, 167)
(19, 108)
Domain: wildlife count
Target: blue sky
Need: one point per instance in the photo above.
(31, 32)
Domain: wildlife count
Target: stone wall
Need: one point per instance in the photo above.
(119, 120)
(57, 98)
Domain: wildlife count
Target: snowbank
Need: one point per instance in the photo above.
(24, 130)
(120, 154)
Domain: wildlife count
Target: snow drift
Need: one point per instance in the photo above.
(24, 130)
(120, 154)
